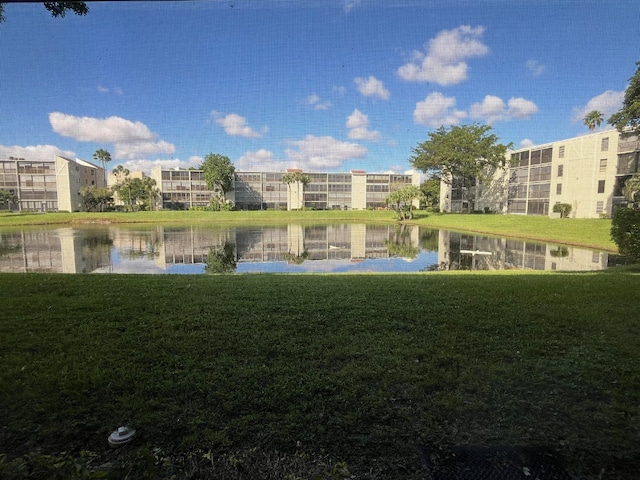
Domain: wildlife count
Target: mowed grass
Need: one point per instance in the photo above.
(361, 368)
(594, 233)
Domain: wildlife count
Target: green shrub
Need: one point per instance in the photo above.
(625, 232)
(564, 209)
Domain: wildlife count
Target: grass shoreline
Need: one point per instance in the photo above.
(351, 368)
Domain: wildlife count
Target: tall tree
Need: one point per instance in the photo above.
(104, 157)
(95, 199)
(139, 192)
(401, 200)
(297, 177)
(629, 114)
(122, 186)
(151, 192)
(431, 191)
(57, 9)
(593, 119)
(218, 173)
(466, 152)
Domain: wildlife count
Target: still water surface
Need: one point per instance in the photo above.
(341, 248)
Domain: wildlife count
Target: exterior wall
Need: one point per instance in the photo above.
(584, 176)
(67, 187)
(182, 189)
(587, 172)
(71, 176)
(266, 190)
(261, 191)
(358, 190)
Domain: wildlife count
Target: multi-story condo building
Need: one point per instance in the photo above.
(356, 190)
(48, 185)
(586, 172)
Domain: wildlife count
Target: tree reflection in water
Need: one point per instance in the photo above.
(221, 260)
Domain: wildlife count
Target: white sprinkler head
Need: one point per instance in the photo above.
(121, 436)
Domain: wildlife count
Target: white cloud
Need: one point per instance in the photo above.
(323, 153)
(608, 103)
(35, 152)
(315, 101)
(131, 140)
(493, 109)
(521, 108)
(114, 90)
(236, 125)
(444, 62)
(526, 143)
(358, 125)
(437, 110)
(262, 161)
(535, 68)
(107, 130)
(372, 87)
(340, 90)
(350, 5)
(137, 150)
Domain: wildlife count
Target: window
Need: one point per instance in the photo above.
(561, 151)
(603, 164)
(604, 145)
(599, 207)
(560, 170)
(535, 157)
(600, 186)
(559, 189)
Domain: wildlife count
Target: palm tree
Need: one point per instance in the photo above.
(296, 177)
(593, 119)
(104, 157)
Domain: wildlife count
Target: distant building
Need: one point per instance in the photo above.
(356, 190)
(586, 172)
(48, 185)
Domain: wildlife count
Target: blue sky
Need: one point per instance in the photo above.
(322, 85)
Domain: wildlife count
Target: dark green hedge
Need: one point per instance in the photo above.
(625, 231)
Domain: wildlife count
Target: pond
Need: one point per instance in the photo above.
(294, 248)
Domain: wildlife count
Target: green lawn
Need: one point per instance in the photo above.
(250, 372)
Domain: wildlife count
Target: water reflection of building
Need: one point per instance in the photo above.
(289, 243)
(62, 250)
(459, 251)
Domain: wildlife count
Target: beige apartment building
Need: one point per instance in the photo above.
(586, 172)
(356, 190)
(48, 185)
